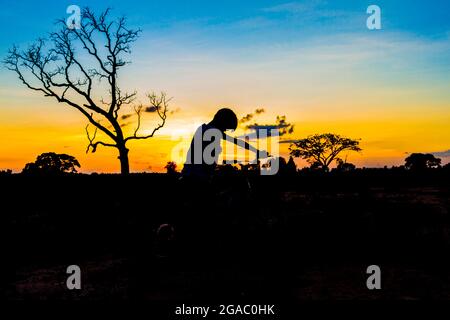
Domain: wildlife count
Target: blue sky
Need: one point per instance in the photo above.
(193, 40)
(239, 28)
(236, 28)
(26, 20)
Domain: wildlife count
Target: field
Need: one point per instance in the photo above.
(297, 239)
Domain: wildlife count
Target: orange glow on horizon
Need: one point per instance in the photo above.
(385, 140)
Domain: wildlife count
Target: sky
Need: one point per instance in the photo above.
(314, 61)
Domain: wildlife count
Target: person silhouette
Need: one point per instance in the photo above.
(204, 151)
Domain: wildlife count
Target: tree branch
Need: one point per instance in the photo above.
(93, 144)
(160, 106)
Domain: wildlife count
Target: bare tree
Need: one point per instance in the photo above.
(78, 66)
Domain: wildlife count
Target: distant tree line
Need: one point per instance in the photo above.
(52, 163)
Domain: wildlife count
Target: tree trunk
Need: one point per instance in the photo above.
(123, 157)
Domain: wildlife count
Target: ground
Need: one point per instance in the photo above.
(296, 239)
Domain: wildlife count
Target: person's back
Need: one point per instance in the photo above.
(195, 164)
(205, 147)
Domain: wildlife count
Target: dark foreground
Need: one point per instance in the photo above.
(264, 240)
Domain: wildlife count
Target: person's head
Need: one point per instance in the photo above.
(225, 119)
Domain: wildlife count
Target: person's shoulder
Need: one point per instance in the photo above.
(200, 128)
(206, 126)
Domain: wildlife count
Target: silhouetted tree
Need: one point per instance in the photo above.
(291, 167)
(421, 161)
(345, 166)
(284, 168)
(317, 166)
(6, 172)
(61, 69)
(320, 150)
(226, 169)
(251, 167)
(52, 163)
(171, 167)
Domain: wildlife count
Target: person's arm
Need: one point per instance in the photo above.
(246, 145)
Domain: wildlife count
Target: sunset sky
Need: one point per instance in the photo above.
(313, 61)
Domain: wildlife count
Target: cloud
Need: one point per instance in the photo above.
(265, 126)
(294, 7)
(10, 159)
(151, 109)
(310, 11)
(246, 118)
(263, 131)
(250, 116)
(289, 141)
(441, 153)
(281, 125)
(125, 116)
(174, 111)
(252, 23)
